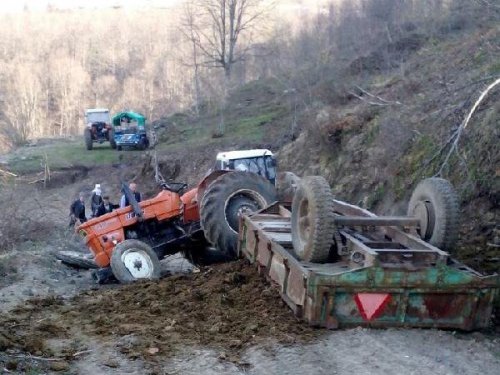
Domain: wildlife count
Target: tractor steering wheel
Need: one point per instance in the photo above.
(175, 189)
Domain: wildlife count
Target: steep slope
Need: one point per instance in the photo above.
(372, 132)
(393, 128)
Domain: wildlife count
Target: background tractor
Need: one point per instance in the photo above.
(132, 240)
(130, 131)
(98, 127)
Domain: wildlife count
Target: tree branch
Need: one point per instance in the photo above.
(458, 133)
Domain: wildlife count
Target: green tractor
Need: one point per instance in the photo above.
(130, 131)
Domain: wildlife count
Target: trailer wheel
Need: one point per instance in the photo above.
(313, 225)
(88, 139)
(111, 137)
(229, 196)
(435, 203)
(134, 260)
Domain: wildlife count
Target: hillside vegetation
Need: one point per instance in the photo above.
(368, 95)
(377, 123)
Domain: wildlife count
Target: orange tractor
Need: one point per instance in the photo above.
(132, 240)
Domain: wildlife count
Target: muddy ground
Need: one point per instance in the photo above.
(222, 320)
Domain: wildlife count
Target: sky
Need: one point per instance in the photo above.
(35, 5)
(7, 6)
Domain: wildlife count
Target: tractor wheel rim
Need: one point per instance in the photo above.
(138, 263)
(254, 200)
(424, 212)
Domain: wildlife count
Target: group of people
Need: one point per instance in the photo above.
(99, 204)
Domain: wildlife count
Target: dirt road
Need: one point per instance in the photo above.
(222, 320)
(362, 351)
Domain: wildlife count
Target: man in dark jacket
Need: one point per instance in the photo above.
(106, 207)
(133, 188)
(77, 210)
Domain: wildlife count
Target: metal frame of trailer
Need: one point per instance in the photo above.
(382, 274)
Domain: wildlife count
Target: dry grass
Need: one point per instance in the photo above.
(20, 218)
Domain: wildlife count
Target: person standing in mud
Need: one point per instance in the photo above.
(96, 200)
(133, 188)
(77, 210)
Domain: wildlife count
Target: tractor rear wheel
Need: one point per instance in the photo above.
(225, 200)
(111, 137)
(134, 260)
(435, 203)
(88, 139)
(313, 225)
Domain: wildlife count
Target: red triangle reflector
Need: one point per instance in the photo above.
(370, 305)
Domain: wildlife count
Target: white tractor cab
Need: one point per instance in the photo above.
(259, 161)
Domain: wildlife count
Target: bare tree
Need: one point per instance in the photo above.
(219, 30)
(189, 30)
(21, 107)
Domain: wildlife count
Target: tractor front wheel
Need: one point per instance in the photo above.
(87, 134)
(134, 260)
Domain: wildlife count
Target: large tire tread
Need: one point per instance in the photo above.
(88, 139)
(442, 196)
(212, 209)
(318, 192)
(75, 259)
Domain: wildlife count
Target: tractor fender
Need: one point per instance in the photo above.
(207, 180)
(190, 204)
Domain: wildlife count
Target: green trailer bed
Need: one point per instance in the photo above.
(386, 275)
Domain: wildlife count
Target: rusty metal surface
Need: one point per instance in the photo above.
(403, 221)
(417, 287)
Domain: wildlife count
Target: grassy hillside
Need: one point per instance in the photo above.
(375, 132)
(373, 125)
(59, 154)
(256, 114)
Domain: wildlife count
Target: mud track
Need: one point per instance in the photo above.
(227, 308)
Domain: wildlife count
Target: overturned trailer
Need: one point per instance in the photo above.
(367, 270)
